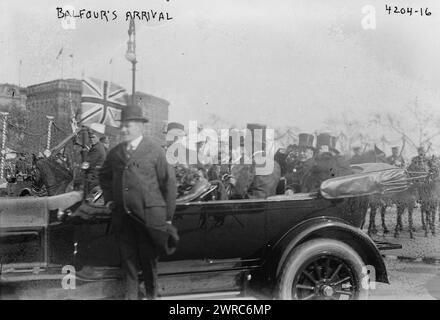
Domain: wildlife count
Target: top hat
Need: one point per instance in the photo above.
(254, 126)
(305, 140)
(333, 140)
(132, 113)
(324, 140)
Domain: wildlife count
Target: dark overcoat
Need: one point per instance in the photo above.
(96, 155)
(142, 185)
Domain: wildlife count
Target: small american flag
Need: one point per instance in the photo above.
(101, 102)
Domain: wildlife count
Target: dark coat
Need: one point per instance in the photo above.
(96, 155)
(356, 159)
(264, 186)
(295, 178)
(142, 185)
(326, 167)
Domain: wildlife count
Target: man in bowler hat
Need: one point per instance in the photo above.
(137, 178)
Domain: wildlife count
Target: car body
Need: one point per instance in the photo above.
(225, 245)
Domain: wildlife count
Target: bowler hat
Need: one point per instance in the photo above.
(133, 113)
(176, 128)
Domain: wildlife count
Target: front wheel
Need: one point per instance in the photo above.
(322, 269)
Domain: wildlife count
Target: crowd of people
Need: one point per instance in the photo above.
(298, 168)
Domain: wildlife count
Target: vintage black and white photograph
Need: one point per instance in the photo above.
(219, 150)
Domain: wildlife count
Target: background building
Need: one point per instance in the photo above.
(58, 98)
(61, 99)
(12, 96)
(13, 101)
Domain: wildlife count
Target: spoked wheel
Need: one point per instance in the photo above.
(326, 277)
(322, 269)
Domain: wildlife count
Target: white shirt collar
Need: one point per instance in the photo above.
(135, 143)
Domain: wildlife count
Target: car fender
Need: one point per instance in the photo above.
(326, 227)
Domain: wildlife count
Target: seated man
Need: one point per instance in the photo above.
(264, 186)
(299, 162)
(326, 166)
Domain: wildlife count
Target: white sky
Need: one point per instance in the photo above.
(281, 62)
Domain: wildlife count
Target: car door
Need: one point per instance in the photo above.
(190, 255)
(96, 245)
(235, 232)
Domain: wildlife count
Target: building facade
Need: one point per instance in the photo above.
(60, 99)
(12, 96)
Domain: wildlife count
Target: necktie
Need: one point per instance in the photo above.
(129, 149)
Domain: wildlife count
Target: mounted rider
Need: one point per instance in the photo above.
(396, 159)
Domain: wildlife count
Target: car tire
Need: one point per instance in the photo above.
(322, 269)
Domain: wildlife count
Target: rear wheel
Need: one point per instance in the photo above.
(322, 269)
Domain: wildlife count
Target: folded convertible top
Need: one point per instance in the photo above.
(368, 179)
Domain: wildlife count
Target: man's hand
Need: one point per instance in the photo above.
(169, 222)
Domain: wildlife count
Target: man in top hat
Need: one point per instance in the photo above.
(328, 164)
(323, 143)
(137, 178)
(305, 161)
(396, 159)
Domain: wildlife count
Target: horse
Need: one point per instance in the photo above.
(403, 200)
(429, 193)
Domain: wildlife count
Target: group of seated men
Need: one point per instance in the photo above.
(298, 168)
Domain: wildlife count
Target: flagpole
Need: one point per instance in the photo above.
(72, 66)
(19, 74)
(111, 69)
(62, 65)
(131, 57)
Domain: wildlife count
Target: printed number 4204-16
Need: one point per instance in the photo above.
(408, 10)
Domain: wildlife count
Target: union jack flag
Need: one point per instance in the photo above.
(101, 102)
